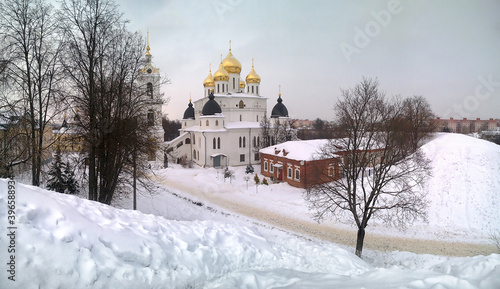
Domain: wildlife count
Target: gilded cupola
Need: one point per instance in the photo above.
(209, 81)
(230, 63)
(253, 77)
(221, 74)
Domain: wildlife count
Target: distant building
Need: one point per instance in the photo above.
(69, 137)
(465, 125)
(15, 145)
(302, 123)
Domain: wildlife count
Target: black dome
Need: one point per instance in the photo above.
(189, 112)
(279, 110)
(211, 107)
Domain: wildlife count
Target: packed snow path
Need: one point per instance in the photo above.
(328, 233)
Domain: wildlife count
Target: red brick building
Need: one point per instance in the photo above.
(297, 162)
(300, 163)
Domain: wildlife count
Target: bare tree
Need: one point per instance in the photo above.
(377, 177)
(103, 62)
(265, 133)
(86, 26)
(282, 131)
(419, 119)
(28, 32)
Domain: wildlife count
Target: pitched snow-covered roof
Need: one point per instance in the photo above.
(297, 150)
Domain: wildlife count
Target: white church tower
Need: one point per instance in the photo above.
(150, 81)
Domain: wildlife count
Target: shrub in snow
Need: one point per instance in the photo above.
(256, 179)
(264, 182)
(62, 178)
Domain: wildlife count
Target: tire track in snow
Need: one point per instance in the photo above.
(332, 234)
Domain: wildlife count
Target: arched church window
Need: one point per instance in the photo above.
(234, 79)
(218, 88)
(218, 143)
(257, 90)
(244, 141)
(194, 154)
(188, 141)
(252, 89)
(241, 104)
(207, 123)
(258, 141)
(216, 123)
(149, 89)
(151, 118)
(214, 143)
(254, 141)
(240, 142)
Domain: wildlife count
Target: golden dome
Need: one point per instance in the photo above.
(242, 84)
(230, 63)
(253, 77)
(209, 81)
(221, 74)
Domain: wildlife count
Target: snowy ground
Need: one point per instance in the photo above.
(67, 242)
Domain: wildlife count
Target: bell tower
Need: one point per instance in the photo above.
(149, 83)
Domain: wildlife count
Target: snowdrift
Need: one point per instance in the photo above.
(464, 191)
(66, 242)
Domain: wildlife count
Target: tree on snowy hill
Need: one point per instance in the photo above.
(62, 178)
(103, 62)
(379, 176)
(29, 40)
(56, 180)
(419, 119)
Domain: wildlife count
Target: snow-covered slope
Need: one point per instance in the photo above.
(465, 187)
(67, 242)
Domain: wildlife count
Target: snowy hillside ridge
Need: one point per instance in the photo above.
(465, 187)
(64, 241)
(67, 242)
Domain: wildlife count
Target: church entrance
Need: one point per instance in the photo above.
(218, 160)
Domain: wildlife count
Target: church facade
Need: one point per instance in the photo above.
(223, 128)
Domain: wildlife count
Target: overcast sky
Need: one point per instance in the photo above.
(446, 51)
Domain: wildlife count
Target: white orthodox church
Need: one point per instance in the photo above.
(224, 127)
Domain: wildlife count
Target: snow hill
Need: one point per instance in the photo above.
(67, 242)
(465, 188)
